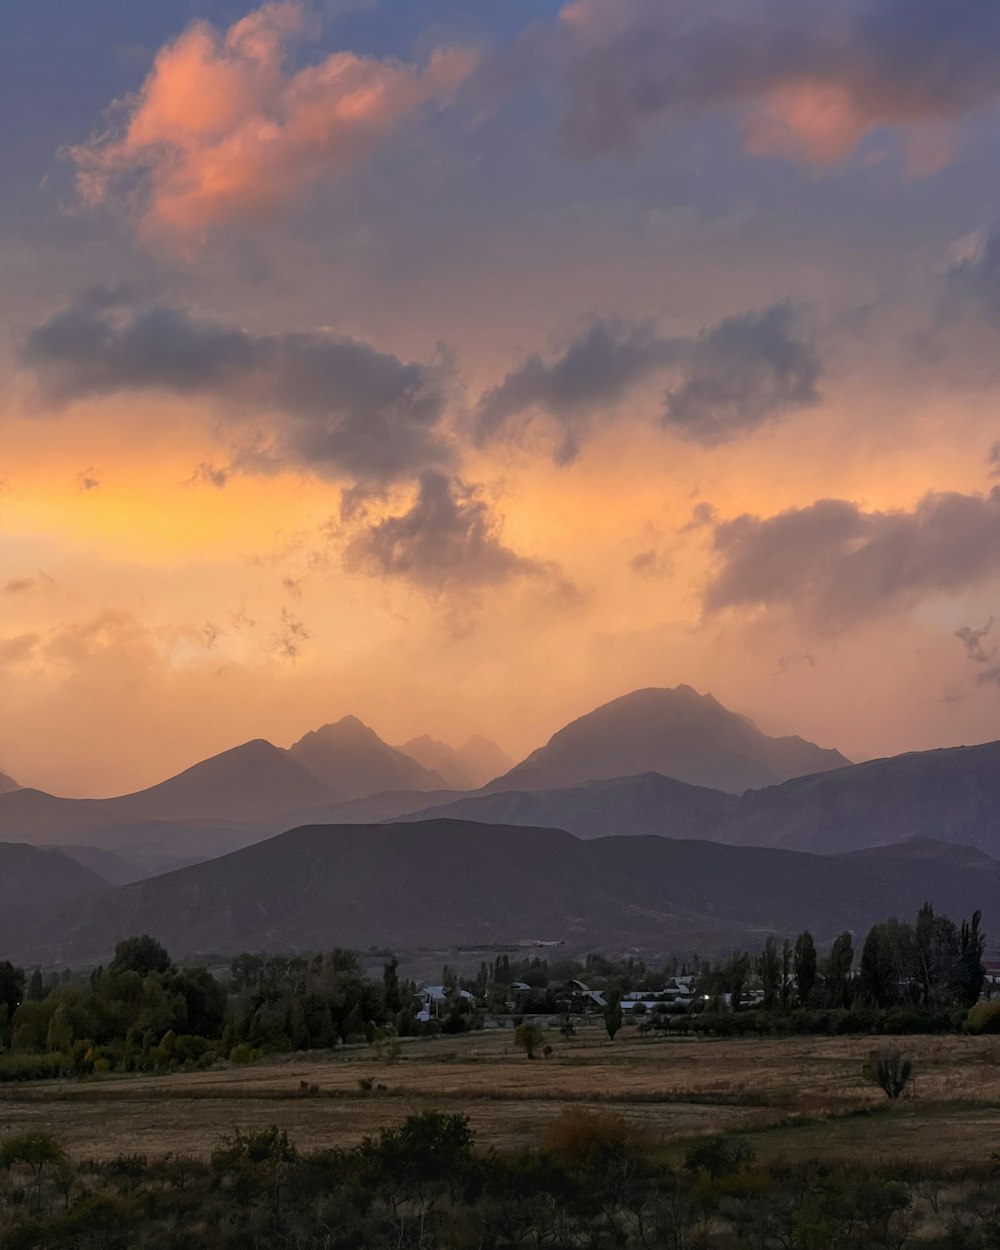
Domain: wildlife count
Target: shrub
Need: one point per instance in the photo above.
(718, 1156)
(528, 1037)
(892, 1071)
(587, 1139)
(984, 1017)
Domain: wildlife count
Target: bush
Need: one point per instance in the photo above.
(587, 1139)
(984, 1017)
(892, 1071)
(718, 1156)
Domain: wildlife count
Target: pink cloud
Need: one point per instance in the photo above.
(225, 130)
(807, 83)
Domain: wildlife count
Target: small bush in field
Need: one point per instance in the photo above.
(892, 1071)
(984, 1017)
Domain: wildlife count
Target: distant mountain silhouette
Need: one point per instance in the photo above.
(123, 869)
(623, 806)
(34, 881)
(439, 757)
(230, 800)
(447, 883)
(951, 796)
(483, 760)
(7, 784)
(352, 761)
(679, 733)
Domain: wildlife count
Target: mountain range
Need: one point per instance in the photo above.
(387, 849)
(445, 883)
(345, 772)
(951, 795)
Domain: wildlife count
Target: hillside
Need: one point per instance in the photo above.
(648, 804)
(950, 796)
(34, 881)
(679, 733)
(445, 883)
(7, 784)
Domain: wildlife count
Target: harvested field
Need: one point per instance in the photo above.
(799, 1097)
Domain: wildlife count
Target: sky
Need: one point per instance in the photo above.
(461, 366)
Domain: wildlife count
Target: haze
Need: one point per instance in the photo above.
(463, 366)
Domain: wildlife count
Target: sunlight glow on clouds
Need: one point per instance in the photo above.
(225, 129)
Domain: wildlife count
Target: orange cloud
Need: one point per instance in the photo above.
(225, 130)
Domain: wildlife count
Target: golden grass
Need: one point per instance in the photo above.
(796, 1097)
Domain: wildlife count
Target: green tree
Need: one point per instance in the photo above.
(143, 954)
(528, 1037)
(36, 987)
(786, 973)
(390, 986)
(613, 1013)
(805, 966)
(837, 971)
(11, 993)
(972, 943)
(769, 971)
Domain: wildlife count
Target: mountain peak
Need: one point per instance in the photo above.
(347, 729)
(352, 761)
(678, 732)
(7, 784)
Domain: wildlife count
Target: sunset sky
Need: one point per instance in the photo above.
(463, 364)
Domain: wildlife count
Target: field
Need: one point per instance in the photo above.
(792, 1098)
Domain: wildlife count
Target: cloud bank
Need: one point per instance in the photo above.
(837, 564)
(340, 405)
(809, 82)
(731, 379)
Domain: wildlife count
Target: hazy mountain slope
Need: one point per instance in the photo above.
(123, 869)
(678, 733)
(7, 784)
(351, 761)
(649, 804)
(33, 882)
(950, 795)
(440, 758)
(483, 760)
(441, 883)
(245, 783)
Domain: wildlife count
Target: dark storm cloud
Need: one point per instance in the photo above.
(343, 406)
(836, 563)
(869, 63)
(449, 537)
(744, 372)
(596, 370)
(735, 376)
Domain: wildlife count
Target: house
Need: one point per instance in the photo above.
(437, 998)
(578, 999)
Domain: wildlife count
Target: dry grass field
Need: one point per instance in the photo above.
(794, 1098)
